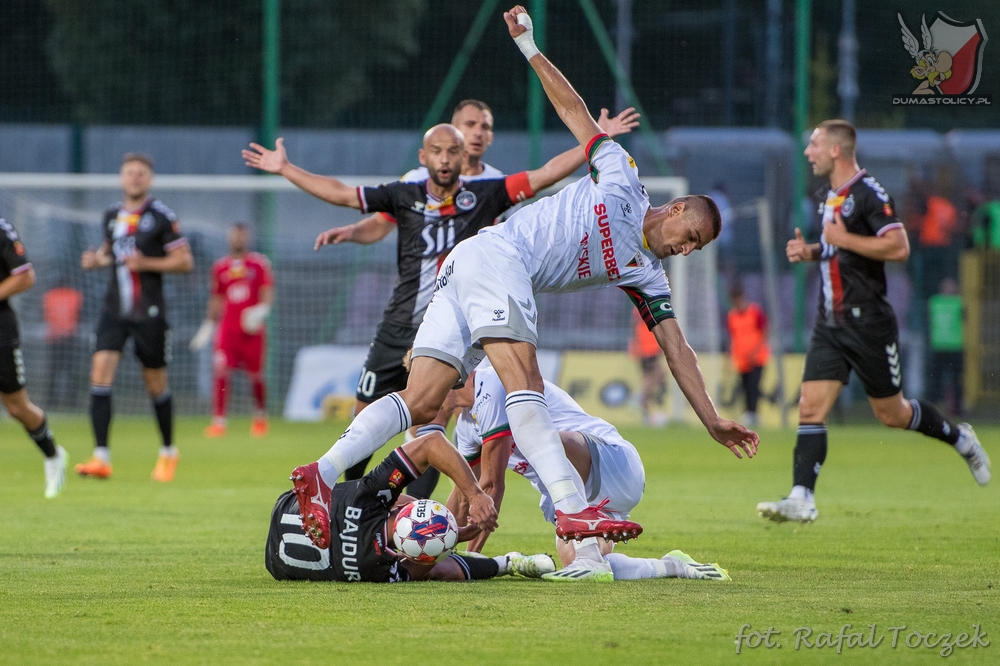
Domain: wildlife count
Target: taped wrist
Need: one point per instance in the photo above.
(526, 41)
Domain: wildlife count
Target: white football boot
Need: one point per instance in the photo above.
(788, 509)
(688, 568)
(979, 462)
(529, 566)
(55, 473)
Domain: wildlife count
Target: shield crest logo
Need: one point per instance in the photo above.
(950, 61)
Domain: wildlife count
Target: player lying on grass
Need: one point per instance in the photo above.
(607, 471)
(362, 514)
(856, 329)
(595, 233)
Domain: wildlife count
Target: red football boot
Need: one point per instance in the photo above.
(592, 522)
(314, 503)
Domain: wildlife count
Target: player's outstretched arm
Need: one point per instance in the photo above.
(683, 365)
(17, 283)
(564, 164)
(276, 161)
(369, 230)
(568, 104)
(492, 473)
(435, 451)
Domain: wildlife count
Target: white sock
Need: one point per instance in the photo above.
(538, 439)
(102, 454)
(369, 431)
(588, 551)
(504, 563)
(169, 451)
(802, 493)
(636, 568)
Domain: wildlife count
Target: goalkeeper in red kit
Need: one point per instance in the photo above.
(241, 295)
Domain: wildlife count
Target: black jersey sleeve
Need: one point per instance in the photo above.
(382, 199)
(879, 208)
(12, 252)
(109, 225)
(387, 480)
(170, 228)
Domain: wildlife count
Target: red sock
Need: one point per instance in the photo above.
(259, 389)
(221, 393)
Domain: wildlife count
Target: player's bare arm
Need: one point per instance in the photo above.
(94, 259)
(276, 161)
(369, 230)
(492, 473)
(564, 164)
(684, 367)
(436, 451)
(568, 104)
(17, 283)
(178, 260)
(893, 245)
(797, 249)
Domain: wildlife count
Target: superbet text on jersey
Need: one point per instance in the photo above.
(153, 230)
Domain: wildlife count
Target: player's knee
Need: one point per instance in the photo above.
(810, 411)
(423, 407)
(893, 414)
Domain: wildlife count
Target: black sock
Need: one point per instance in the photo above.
(163, 405)
(42, 436)
(100, 413)
(424, 485)
(927, 420)
(357, 471)
(810, 454)
(477, 568)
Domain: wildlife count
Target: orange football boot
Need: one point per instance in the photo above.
(94, 467)
(259, 427)
(214, 430)
(165, 468)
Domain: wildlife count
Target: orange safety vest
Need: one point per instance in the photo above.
(61, 310)
(748, 337)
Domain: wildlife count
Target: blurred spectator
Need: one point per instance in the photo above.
(644, 348)
(947, 338)
(937, 229)
(748, 347)
(61, 311)
(726, 241)
(985, 225)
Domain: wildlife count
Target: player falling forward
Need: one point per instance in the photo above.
(363, 512)
(485, 306)
(856, 327)
(242, 292)
(142, 241)
(383, 371)
(607, 471)
(16, 276)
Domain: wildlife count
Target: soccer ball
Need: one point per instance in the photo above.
(425, 531)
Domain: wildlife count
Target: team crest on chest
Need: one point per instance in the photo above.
(147, 222)
(465, 200)
(847, 207)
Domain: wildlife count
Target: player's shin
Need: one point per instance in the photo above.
(810, 454)
(928, 420)
(100, 414)
(42, 437)
(538, 439)
(368, 432)
(163, 405)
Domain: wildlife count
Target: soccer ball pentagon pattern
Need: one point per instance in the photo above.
(425, 531)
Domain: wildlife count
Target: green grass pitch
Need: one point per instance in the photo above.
(129, 571)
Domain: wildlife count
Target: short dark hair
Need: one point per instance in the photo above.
(242, 226)
(842, 133)
(706, 206)
(138, 157)
(482, 106)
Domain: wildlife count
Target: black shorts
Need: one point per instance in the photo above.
(11, 369)
(383, 372)
(151, 338)
(869, 348)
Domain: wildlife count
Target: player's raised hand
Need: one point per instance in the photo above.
(797, 249)
(261, 158)
(482, 512)
(734, 437)
(334, 236)
(623, 123)
(515, 27)
(88, 260)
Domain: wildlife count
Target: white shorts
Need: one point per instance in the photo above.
(616, 475)
(483, 291)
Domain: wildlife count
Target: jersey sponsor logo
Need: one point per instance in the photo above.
(521, 467)
(583, 261)
(444, 276)
(395, 479)
(607, 243)
(887, 210)
(349, 544)
(498, 314)
(18, 248)
(465, 200)
(238, 292)
(438, 238)
(626, 207)
(880, 192)
(417, 207)
(847, 207)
